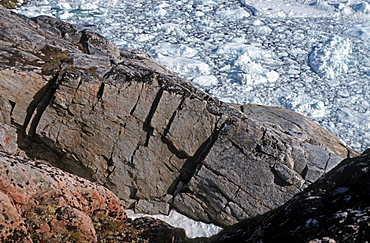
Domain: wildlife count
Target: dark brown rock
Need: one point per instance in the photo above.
(118, 118)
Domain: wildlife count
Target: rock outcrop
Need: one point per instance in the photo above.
(336, 208)
(42, 203)
(39, 203)
(115, 116)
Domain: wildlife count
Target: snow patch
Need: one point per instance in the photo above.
(193, 228)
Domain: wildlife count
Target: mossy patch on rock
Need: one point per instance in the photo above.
(53, 58)
(9, 3)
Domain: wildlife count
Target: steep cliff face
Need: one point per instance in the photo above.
(336, 208)
(118, 118)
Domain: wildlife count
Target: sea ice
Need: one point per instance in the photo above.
(205, 81)
(252, 73)
(174, 50)
(360, 30)
(363, 7)
(331, 58)
(184, 66)
(234, 14)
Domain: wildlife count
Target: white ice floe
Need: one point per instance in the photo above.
(331, 58)
(184, 66)
(363, 7)
(175, 50)
(233, 50)
(205, 81)
(193, 228)
(360, 30)
(252, 73)
(233, 14)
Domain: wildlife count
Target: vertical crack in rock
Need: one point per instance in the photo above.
(231, 200)
(101, 91)
(191, 165)
(131, 162)
(12, 104)
(111, 167)
(349, 153)
(39, 104)
(137, 101)
(169, 124)
(148, 128)
(327, 162)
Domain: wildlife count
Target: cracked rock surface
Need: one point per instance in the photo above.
(115, 116)
(333, 209)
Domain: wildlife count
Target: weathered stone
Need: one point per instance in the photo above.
(117, 117)
(298, 126)
(47, 202)
(8, 138)
(12, 224)
(158, 231)
(59, 27)
(95, 44)
(88, 61)
(152, 207)
(5, 110)
(335, 208)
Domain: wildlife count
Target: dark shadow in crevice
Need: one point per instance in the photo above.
(147, 127)
(47, 151)
(192, 164)
(39, 104)
(36, 100)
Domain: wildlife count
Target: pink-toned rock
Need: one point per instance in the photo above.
(12, 225)
(50, 204)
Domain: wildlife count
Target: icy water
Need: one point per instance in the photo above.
(310, 57)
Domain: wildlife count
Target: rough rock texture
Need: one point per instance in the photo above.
(336, 208)
(117, 117)
(42, 203)
(10, 3)
(39, 203)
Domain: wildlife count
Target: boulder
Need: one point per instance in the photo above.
(333, 209)
(120, 119)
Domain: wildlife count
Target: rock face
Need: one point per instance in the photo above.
(336, 208)
(118, 118)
